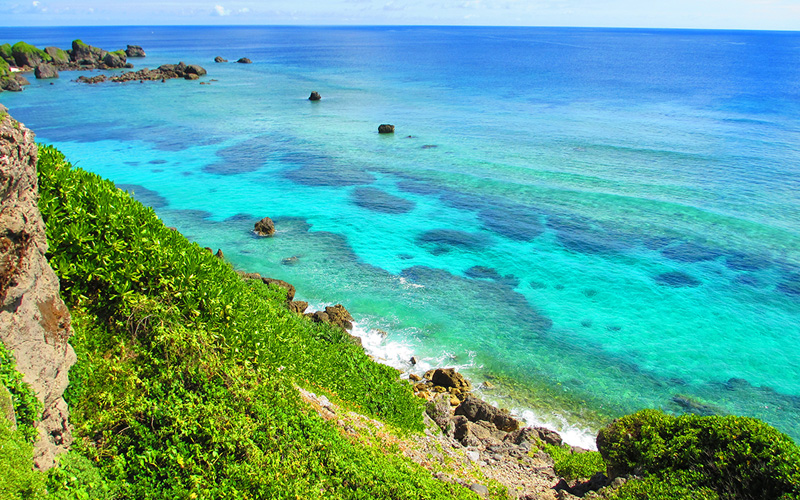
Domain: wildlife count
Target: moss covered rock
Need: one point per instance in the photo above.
(5, 53)
(59, 56)
(26, 54)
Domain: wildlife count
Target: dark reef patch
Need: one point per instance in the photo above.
(578, 234)
(144, 196)
(677, 279)
(319, 170)
(418, 187)
(483, 272)
(537, 285)
(514, 222)
(690, 252)
(241, 158)
(130, 163)
(512, 303)
(790, 285)
(380, 201)
(448, 238)
(157, 162)
(746, 262)
(748, 280)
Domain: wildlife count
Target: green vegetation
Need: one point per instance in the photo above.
(25, 49)
(121, 54)
(5, 70)
(185, 380)
(60, 56)
(26, 407)
(571, 465)
(18, 480)
(701, 457)
(5, 53)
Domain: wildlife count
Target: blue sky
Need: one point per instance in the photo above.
(720, 14)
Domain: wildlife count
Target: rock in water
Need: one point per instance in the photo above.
(265, 227)
(134, 51)
(385, 128)
(34, 322)
(244, 60)
(314, 96)
(477, 409)
(219, 59)
(44, 71)
(195, 70)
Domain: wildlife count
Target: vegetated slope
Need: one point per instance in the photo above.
(184, 385)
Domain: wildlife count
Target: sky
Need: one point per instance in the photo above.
(704, 14)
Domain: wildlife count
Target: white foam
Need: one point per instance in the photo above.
(386, 348)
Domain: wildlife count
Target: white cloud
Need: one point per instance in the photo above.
(219, 10)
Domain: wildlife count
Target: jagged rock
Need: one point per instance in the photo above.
(314, 96)
(319, 317)
(298, 306)
(413, 360)
(449, 377)
(265, 227)
(385, 128)
(469, 433)
(339, 316)
(21, 80)
(59, 56)
(476, 409)
(28, 55)
(190, 76)
(134, 51)
(11, 85)
(219, 59)
(244, 60)
(532, 434)
(290, 290)
(93, 79)
(44, 71)
(34, 322)
(414, 377)
(115, 59)
(86, 55)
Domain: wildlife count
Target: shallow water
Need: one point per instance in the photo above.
(595, 221)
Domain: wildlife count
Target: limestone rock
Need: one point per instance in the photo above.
(44, 71)
(34, 322)
(265, 227)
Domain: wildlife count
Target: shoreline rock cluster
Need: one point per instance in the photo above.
(163, 73)
(45, 64)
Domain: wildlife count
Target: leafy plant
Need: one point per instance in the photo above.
(735, 457)
(27, 407)
(571, 465)
(18, 480)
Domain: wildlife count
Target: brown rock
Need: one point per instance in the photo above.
(298, 306)
(265, 227)
(314, 96)
(290, 291)
(477, 409)
(448, 377)
(244, 60)
(386, 129)
(45, 71)
(414, 377)
(220, 59)
(34, 322)
(339, 316)
(532, 434)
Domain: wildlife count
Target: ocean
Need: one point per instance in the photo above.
(586, 222)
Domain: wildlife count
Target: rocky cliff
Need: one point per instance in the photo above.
(34, 322)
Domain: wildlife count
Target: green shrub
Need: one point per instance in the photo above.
(27, 407)
(185, 383)
(76, 477)
(736, 457)
(571, 465)
(5, 53)
(18, 480)
(655, 488)
(5, 70)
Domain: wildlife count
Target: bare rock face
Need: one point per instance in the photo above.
(34, 322)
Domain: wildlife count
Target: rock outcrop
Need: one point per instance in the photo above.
(264, 227)
(45, 70)
(162, 73)
(314, 96)
(386, 128)
(34, 322)
(134, 51)
(244, 60)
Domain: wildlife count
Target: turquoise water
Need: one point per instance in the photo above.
(596, 221)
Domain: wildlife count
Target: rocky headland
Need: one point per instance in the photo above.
(34, 322)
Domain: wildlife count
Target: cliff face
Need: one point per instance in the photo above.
(34, 322)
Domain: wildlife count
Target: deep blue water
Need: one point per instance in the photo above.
(594, 220)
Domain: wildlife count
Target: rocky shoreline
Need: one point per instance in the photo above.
(459, 425)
